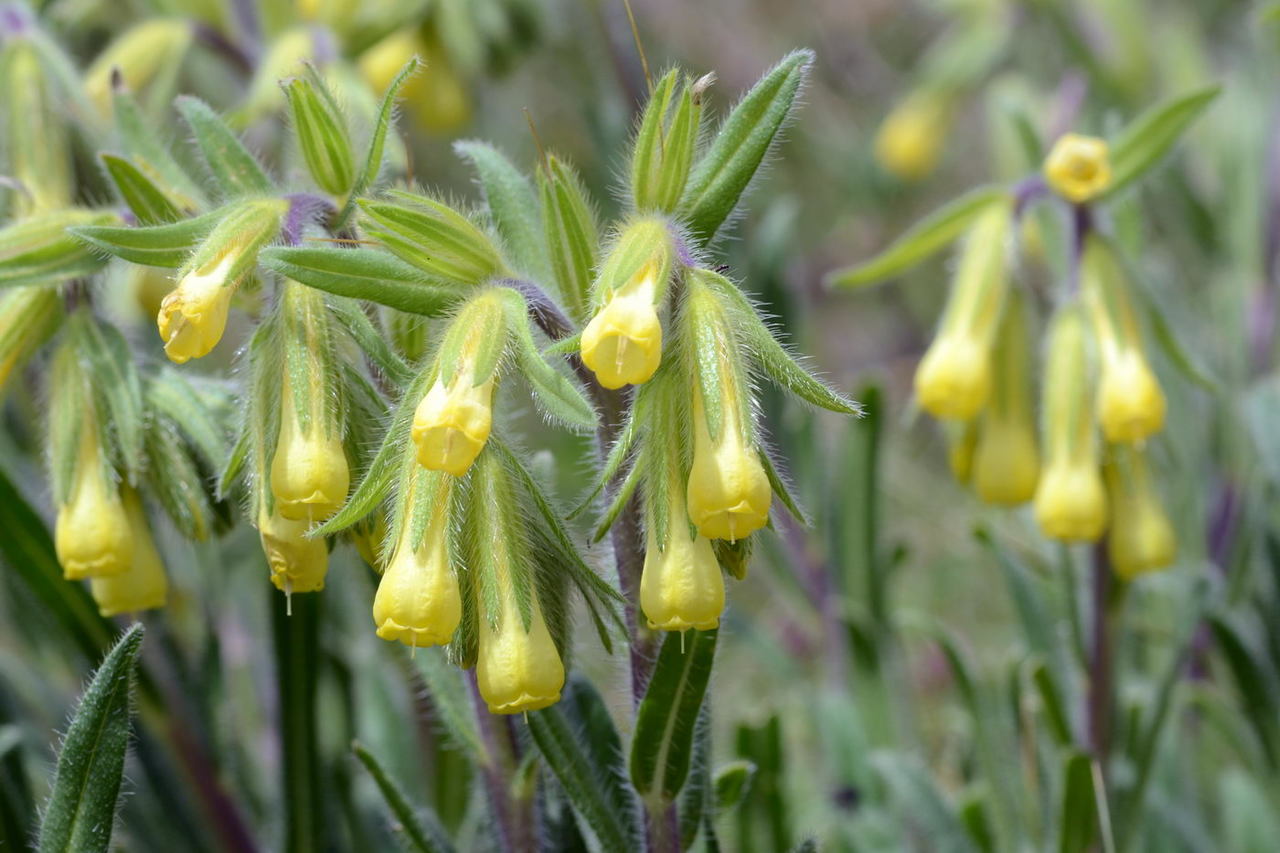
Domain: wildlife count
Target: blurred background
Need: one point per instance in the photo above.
(912, 671)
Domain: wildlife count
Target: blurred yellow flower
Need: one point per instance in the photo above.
(297, 564)
(143, 586)
(728, 492)
(622, 344)
(1078, 167)
(142, 53)
(92, 534)
(1140, 539)
(1006, 463)
(911, 136)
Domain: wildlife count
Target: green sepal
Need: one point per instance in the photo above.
(1146, 139)
(377, 142)
(154, 246)
(361, 274)
(117, 389)
(646, 156)
(41, 250)
(665, 145)
(723, 173)
(662, 745)
(176, 481)
(626, 490)
(931, 234)
(433, 237)
(81, 811)
(369, 339)
(558, 396)
(142, 144)
(233, 167)
(194, 410)
(734, 557)
(147, 201)
(321, 133)
(571, 234)
(621, 447)
(512, 206)
(779, 486)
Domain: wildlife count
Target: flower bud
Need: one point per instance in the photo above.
(1070, 502)
(911, 137)
(28, 316)
(36, 142)
(92, 535)
(681, 586)
(1131, 405)
(322, 135)
(517, 670)
(193, 316)
(309, 472)
(418, 601)
(283, 58)
(149, 50)
(1006, 463)
(452, 423)
(1078, 167)
(1140, 539)
(665, 144)
(143, 585)
(954, 378)
(622, 344)
(728, 491)
(297, 564)
(433, 237)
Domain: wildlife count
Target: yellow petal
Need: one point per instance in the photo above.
(451, 425)
(418, 601)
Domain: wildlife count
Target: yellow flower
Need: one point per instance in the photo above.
(28, 315)
(418, 600)
(143, 586)
(622, 344)
(452, 423)
(1078, 167)
(681, 586)
(962, 440)
(1006, 464)
(1131, 405)
(728, 493)
(309, 473)
(517, 670)
(1141, 539)
(911, 137)
(297, 564)
(1070, 502)
(954, 378)
(92, 535)
(193, 316)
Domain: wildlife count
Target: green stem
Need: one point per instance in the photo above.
(296, 627)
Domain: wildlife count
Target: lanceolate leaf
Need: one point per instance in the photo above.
(1078, 821)
(662, 745)
(360, 274)
(512, 205)
(357, 323)
(377, 140)
(420, 830)
(931, 234)
(234, 168)
(154, 246)
(720, 177)
(142, 145)
(86, 785)
(581, 779)
(1149, 137)
(147, 201)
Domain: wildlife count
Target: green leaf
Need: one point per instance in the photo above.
(116, 384)
(1150, 136)
(142, 145)
(1051, 701)
(420, 830)
(558, 396)
(41, 251)
(722, 175)
(361, 274)
(234, 168)
(581, 778)
(732, 782)
(147, 201)
(779, 487)
(1078, 822)
(923, 239)
(662, 745)
(973, 814)
(512, 205)
(647, 150)
(378, 139)
(370, 340)
(154, 246)
(86, 785)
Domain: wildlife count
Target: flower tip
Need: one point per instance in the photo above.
(1078, 167)
(953, 380)
(1071, 504)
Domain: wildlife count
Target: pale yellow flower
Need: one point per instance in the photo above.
(419, 602)
(309, 472)
(143, 586)
(728, 491)
(517, 670)
(92, 535)
(1078, 167)
(681, 586)
(452, 423)
(622, 344)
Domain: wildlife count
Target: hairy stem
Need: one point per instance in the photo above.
(512, 815)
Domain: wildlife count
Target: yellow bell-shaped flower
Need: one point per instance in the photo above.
(517, 670)
(1070, 502)
(452, 423)
(1006, 463)
(1078, 167)
(954, 378)
(911, 136)
(297, 564)
(143, 586)
(728, 491)
(1140, 539)
(92, 535)
(418, 601)
(193, 316)
(622, 344)
(309, 473)
(681, 586)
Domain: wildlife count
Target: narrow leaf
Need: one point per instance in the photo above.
(234, 168)
(1078, 821)
(360, 274)
(86, 785)
(512, 205)
(421, 830)
(147, 201)
(154, 246)
(1149, 137)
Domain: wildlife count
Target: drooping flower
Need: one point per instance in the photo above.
(1006, 462)
(92, 534)
(681, 585)
(1078, 167)
(309, 472)
(1141, 538)
(143, 585)
(452, 423)
(728, 492)
(518, 668)
(297, 564)
(622, 344)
